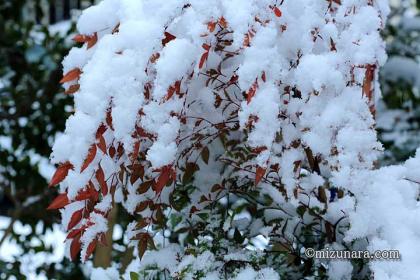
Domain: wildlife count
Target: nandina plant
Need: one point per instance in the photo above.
(236, 134)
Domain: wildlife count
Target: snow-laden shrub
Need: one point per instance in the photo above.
(236, 134)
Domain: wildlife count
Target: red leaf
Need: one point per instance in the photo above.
(101, 130)
(109, 119)
(79, 38)
(163, 179)
(83, 195)
(168, 37)
(277, 11)
(91, 40)
(211, 26)
(170, 93)
(72, 89)
(71, 75)
(178, 87)
(203, 59)
(94, 194)
(263, 77)
(75, 247)
(89, 193)
(74, 233)
(223, 22)
(61, 173)
(75, 219)
(59, 202)
(206, 47)
(259, 174)
(111, 151)
(102, 144)
(100, 176)
(90, 249)
(252, 91)
(90, 157)
(367, 82)
(136, 150)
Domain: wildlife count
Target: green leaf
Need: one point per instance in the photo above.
(134, 276)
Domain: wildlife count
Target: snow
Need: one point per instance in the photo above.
(303, 96)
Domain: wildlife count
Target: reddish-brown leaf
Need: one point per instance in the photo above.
(75, 247)
(91, 40)
(61, 173)
(154, 57)
(252, 91)
(206, 47)
(203, 59)
(101, 130)
(163, 179)
(170, 93)
(367, 82)
(205, 154)
(112, 151)
(142, 247)
(223, 22)
(211, 26)
(109, 119)
(74, 233)
(90, 248)
(102, 144)
(168, 37)
(72, 89)
(90, 157)
(83, 195)
(277, 12)
(75, 219)
(59, 202)
(136, 150)
(144, 187)
(71, 75)
(79, 38)
(263, 77)
(178, 87)
(100, 176)
(259, 174)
